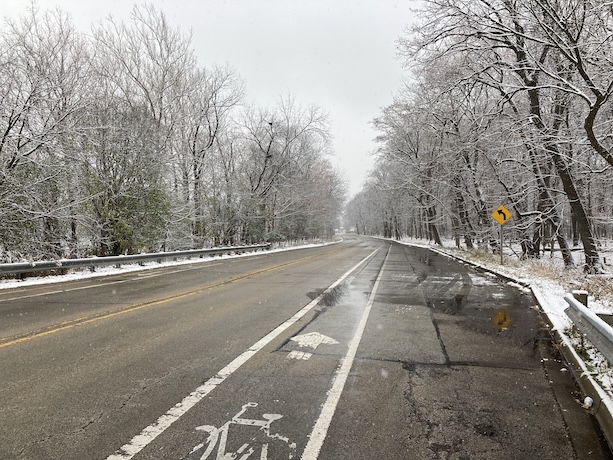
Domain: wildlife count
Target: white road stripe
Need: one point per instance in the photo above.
(320, 430)
(30, 296)
(93, 286)
(139, 442)
(80, 288)
(299, 355)
(143, 275)
(140, 276)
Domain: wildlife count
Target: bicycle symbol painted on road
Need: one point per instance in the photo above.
(236, 448)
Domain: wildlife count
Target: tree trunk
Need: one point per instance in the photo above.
(432, 225)
(466, 225)
(397, 234)
(592, 259)
(198, 225)
(592, 264)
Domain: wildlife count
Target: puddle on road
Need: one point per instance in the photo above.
(505, 314)
(331, 297)
(347, 292)
(478, 302)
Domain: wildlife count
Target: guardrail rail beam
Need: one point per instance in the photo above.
(33, 267)
(597, 331)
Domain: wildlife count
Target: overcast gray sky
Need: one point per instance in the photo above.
(337, 54)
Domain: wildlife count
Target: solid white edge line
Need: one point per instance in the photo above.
(320, 429)
(140, 276)
(139, 442)
(41, 294)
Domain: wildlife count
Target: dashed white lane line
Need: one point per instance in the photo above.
(142, 440)
(29, 296)
(320, 430)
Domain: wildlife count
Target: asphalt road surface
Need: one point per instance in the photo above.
(359, 350)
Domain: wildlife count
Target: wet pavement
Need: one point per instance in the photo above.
(465, 352)
(436, 361)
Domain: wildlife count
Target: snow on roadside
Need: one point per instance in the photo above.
(75, 274)
(553, 303)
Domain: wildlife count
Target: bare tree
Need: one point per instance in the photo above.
(206, 109)
(144, 70)
(505, 39)
(276, 142)
(43, 78)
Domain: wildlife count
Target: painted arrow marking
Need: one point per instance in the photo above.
(311, 340)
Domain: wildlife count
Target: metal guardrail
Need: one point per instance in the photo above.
(93, 262)
(598, 332)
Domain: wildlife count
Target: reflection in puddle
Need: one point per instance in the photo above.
(330, 297)
(467, 307)
(514, 320)
(480, 280)
(502, 320)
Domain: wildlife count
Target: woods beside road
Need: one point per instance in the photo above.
(506, 102)
(118, 141)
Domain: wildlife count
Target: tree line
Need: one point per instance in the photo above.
(117, 141)
(509, 102)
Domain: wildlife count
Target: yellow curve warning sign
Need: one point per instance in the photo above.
(501, 215)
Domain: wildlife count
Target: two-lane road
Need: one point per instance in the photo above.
(358, 350)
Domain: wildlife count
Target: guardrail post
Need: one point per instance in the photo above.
(580, 295)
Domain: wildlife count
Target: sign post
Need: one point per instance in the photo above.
(502, 216)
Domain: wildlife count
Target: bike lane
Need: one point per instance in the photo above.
(457, 364)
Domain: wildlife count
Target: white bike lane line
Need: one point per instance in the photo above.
(320, 429)
(150, 433)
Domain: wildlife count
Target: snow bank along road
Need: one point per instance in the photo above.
(360, 350)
